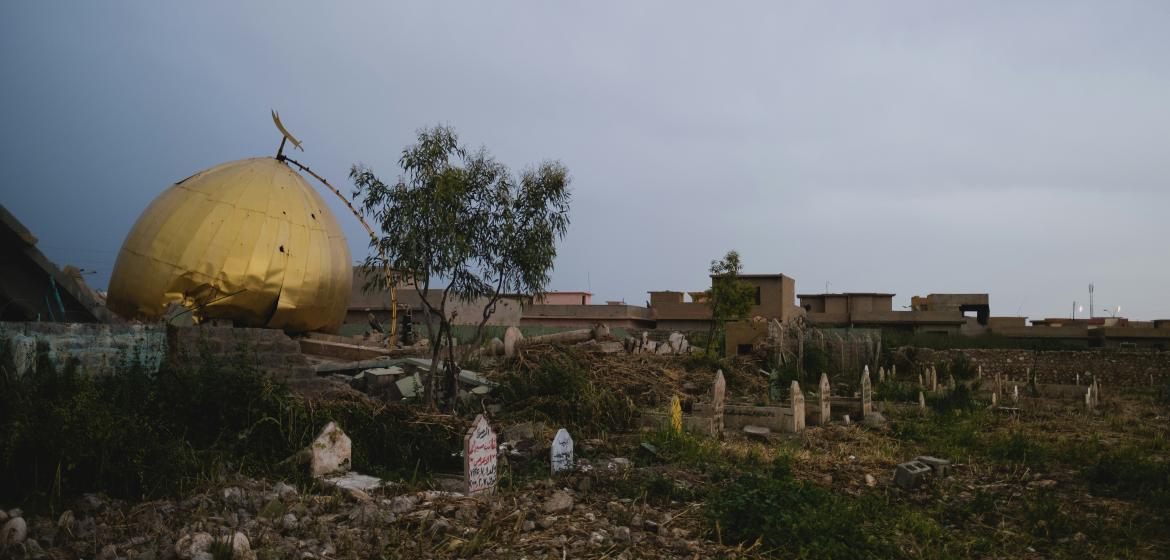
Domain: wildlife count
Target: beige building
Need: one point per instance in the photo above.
(775, 298)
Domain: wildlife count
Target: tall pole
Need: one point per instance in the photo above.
(1090, 301)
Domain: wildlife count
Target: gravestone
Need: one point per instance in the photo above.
(979, 372)
(512, 337)
(951, 382)
(1078, 380)
(824, 396)
(921, 402)
(881, 374)
(1016, 395)
(994, 400)
(894, 371)
(330, 452)
(561, 454)
(1089, 398)
(480, 457)
(718, 392)
(675, 415)
(797, 408)
(866, 395)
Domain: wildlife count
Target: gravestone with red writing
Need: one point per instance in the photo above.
(479, 457)
(561, 454)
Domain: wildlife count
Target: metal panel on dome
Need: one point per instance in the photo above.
(249, 240)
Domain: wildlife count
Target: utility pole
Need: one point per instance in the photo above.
(1090, 300)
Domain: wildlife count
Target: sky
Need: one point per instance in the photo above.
(1020, 149)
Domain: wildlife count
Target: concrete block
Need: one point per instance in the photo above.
(941, 467)
(911, 474)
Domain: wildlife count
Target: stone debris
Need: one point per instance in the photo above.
(559, 502)
(14, 531)
(757, 432)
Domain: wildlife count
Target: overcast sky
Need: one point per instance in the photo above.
(1017, 148)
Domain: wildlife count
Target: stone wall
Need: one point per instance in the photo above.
(1113, 367)
(96, 348)
(268, 350)
(100, 349)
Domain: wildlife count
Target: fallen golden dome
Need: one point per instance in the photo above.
(248, 240)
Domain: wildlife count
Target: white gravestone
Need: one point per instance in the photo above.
(479, 457)
(561, 454)
(330, 452)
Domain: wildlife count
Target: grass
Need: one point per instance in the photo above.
(136, 434)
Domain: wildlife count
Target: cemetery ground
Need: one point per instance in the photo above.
(202, 464)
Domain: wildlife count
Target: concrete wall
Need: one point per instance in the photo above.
(101, 349)
(628, 316)
(98, 349)
(566, 298)
(1112, 367)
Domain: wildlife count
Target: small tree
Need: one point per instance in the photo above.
(462, 220)
(729, 297)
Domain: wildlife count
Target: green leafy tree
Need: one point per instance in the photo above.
(458, 219)
(729, 297)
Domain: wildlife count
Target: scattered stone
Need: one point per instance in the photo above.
(403, 504)
(757, 432)
(284, 491)
(13, 532)
(622, 534)
(195, 546)
(354, 481)
(875, 420)
(560, 502)
(910, 474)
(870, 480)
(547, 522)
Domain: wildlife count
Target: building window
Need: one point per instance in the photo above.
(743, 349)
(757, 295)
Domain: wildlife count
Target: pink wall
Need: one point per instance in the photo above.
(567, 298)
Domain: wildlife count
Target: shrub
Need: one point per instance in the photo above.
(791, 517)
(559, 388)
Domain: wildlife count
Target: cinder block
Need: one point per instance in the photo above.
(911, 474)
(941, 467)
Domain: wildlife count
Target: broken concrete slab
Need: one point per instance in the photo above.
(410, 387)
(354, 481)
(757, 432)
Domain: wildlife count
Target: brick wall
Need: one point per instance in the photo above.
(1113, 367)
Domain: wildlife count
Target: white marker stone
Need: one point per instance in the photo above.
(330, 452)
(561, 454)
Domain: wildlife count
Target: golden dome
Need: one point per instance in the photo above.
(247, 240)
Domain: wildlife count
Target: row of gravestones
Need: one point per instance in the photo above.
(330, 452)
(481, 456)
